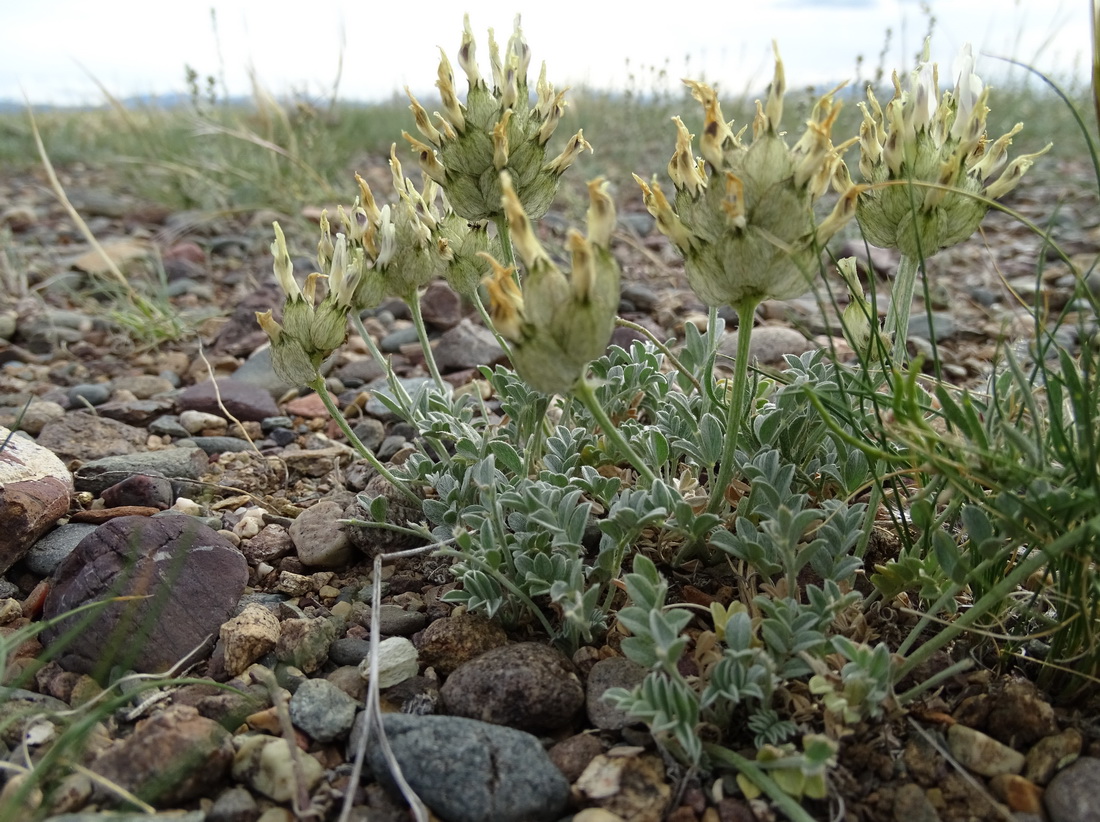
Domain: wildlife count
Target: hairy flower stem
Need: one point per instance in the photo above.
(487, 321)
(664, 349)
(584, 392)
(368, 340)
(318, 385)
(901, 305)
(504, 234)
(746, 311)
(422, 332)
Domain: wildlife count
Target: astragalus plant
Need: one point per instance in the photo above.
(589, 459)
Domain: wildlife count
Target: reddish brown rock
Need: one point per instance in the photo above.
(171, 758)
(185, 580)
(34, 493)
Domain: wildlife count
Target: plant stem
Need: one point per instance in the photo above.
(422, 333)
(901, 305)
(504, 234)
(488, 322)
(318, 385)
(746, 311)
(368, 340)
(664, 349)
(786, 803)
(584, 392)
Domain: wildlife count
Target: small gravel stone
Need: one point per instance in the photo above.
(151, 490)
(393, 620)
(240, 399)
(397, 661)
(247, 637)
(322, 710)
(349, 650)
(304, 643)
(613, 672)
(266, 765)
(319, 538)
(178, 462)
(527, 685)
(982, 754)
(218, 445)
(198, 421)
(451, 641)
(1071, 794)
(168, 425)
(90, 393)
(48, 552)
(911, 804)
(1047, 754)
(470, 771)
(233, 805)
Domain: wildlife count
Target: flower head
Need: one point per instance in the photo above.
(941, 144)
(742, 216)
(498, 129)
(310, 331)
(558, 323)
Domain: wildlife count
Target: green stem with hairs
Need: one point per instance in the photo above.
(504, 234)
(584, 391)
(368, 340)
(488, 322)
(901, 305)
(746, 311)
(318, 385)
(664, 349)
(425, 344)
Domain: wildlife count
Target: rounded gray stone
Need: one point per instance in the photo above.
(1071, 795)
(319, 538)
(614, 672)
(48, 552)
(470, 771)
(322, 710)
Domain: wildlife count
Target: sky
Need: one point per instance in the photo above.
(64, 51)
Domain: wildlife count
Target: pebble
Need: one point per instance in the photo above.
(89, 394)
(630, 786)
(240, 399)
(1071, 794)
(613, 672)
(449, 642)
(467, 345)
(178, 462)
(304, 643)
(149, 490)
(48, 552)
(1050, 753)
(143, 386)
(272, 542)
(134, 411)
(189, 579)
(392, 342)
(266, 765)
(322, 710)
(195, 422)
(86, 437)
(572, 755)
(168, 425)
(397, 661)
(247, 637)
(768, 344)
(527, 685)
(376, 408)
(37, 414)
(311, 405)
(233, 805)
(393, 620)
(35, 487)
(470, 771)
(319, 538)
(982, 754)
(349, 650)
(218, 445)
(196, 751)
(911, 804)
